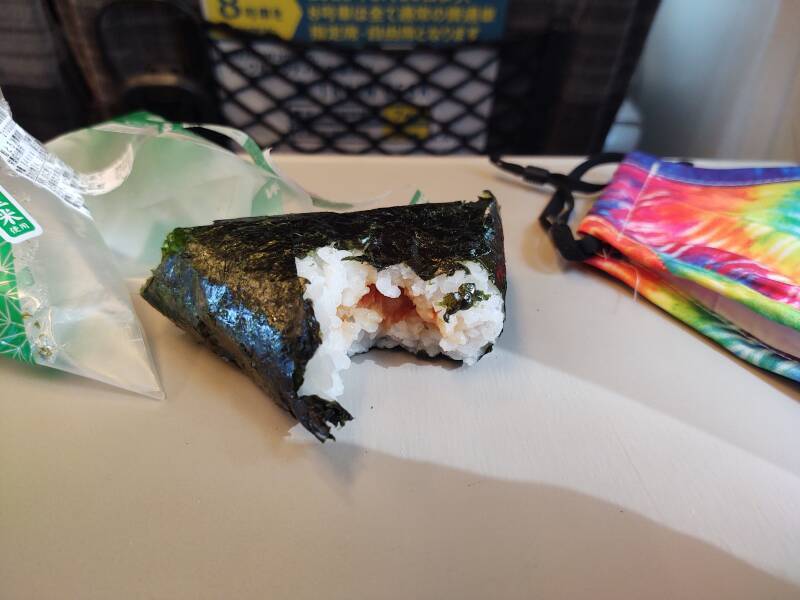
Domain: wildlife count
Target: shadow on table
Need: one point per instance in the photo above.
(426, 531)
(402, 529)
(787, 386)
(488, 536)
(388, 358)
(335, 517)
(673, 387)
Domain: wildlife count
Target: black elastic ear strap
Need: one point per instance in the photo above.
(555, 216)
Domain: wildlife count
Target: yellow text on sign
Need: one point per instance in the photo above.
(405, 120)
(280, 17)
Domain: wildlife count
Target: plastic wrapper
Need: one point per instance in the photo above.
(63, 303)
(150, 176)
(127, 183)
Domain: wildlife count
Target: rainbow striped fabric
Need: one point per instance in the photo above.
(717, 248)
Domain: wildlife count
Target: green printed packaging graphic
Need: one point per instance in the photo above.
(13, 340)
(16, 224)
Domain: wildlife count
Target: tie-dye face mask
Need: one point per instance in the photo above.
(717, 248)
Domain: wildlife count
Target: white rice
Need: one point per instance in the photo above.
(336, 286)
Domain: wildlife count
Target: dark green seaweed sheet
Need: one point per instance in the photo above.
(234, 285)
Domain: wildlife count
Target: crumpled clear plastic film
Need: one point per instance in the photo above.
(63, 304)
(151, 176)
(146, 176)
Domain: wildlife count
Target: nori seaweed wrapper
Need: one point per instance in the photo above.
(234, 284)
